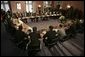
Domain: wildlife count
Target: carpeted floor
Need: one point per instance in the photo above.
(71, 47)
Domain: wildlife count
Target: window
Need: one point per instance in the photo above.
(30, 2)
(7, 7)
(4, 5)
(58, 2)
(46, 3)
(18, 6)
(5, 1)
(29, 6)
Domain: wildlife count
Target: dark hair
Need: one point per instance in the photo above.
(34, 29)
(20, 27)
(29, 30)
(50, 27)
(60, 25)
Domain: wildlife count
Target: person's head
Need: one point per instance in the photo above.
(51, 27)
(34, 29)
(60, 25)
(20, 27)
(29, 31)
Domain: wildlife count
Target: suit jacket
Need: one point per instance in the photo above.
(50, 35)
(34, 36)
(20, 35)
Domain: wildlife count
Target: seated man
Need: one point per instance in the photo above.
(35, 43)
(71, 32)
(20, 35)
(50, 35)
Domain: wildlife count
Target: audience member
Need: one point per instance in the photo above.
(35, 43)
(61, 32)
(51, 34)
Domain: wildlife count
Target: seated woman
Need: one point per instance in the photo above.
(61, 32)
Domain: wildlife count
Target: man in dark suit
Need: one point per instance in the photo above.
(20, 38)
(35, 43)
(50, 35)
(20, 34)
